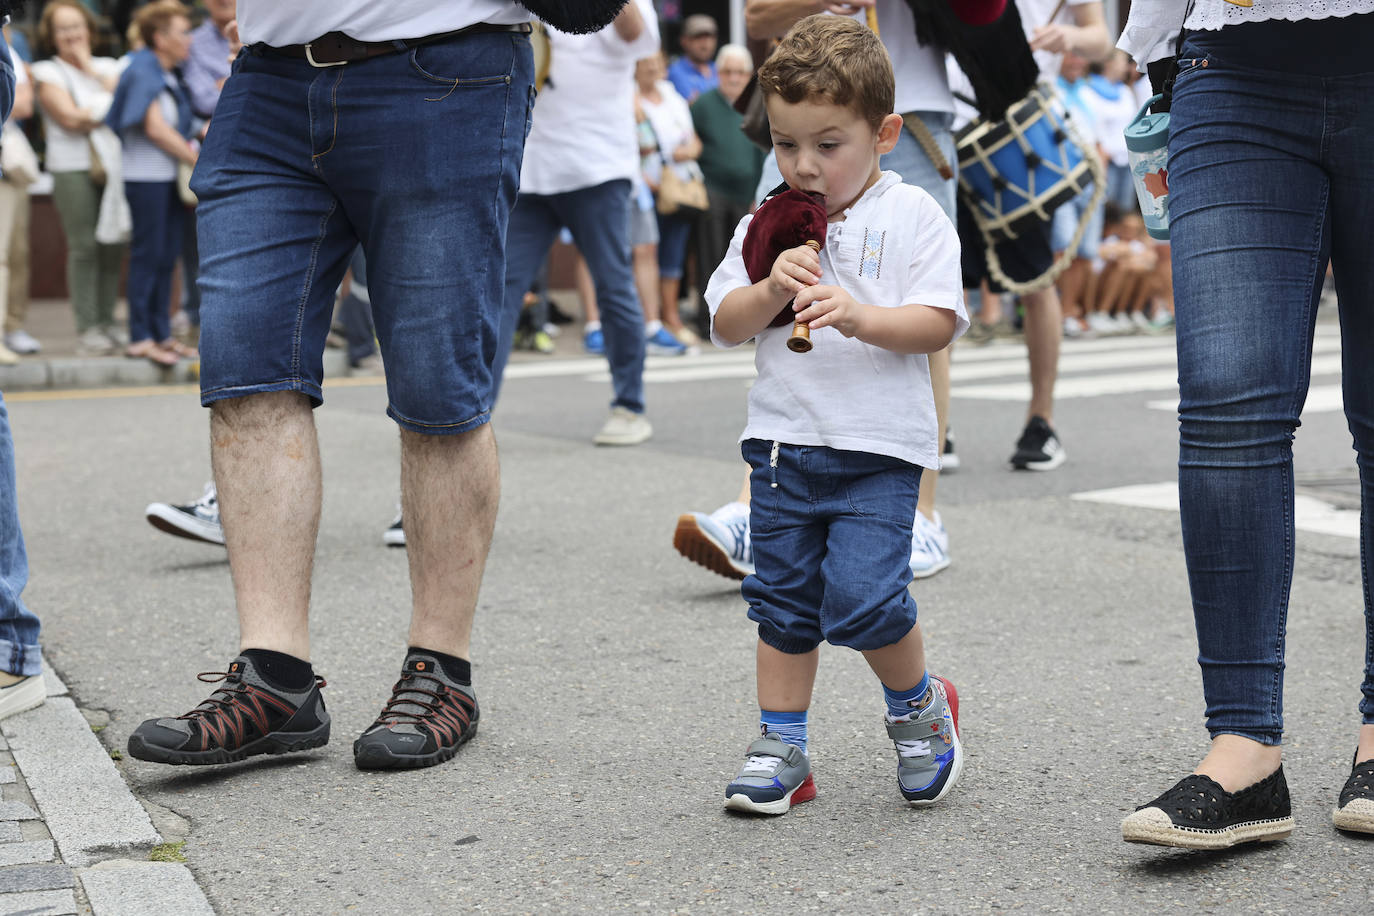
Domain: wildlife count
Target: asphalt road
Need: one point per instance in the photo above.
(616, 679)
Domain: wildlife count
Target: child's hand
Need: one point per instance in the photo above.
(829, 306)
(793, 271)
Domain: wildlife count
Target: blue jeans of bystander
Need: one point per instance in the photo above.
(19, 653)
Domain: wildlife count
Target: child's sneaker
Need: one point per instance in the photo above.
(929, 754)
(775, 776)
(929, 546)
(719, 541)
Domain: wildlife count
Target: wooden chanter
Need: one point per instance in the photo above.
(784, 221)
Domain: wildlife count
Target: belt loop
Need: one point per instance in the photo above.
(314, 63)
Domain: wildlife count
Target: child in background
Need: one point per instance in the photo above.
(836, 438)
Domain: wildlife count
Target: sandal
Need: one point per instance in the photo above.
(180, 349)
(147, 349)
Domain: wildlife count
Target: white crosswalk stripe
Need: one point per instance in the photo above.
(1309, 514)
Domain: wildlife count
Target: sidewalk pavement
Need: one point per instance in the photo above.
(73, 839)
(58, 367)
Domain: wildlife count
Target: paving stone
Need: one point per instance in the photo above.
(86, 804)
(26, 853)
(49, 877)
(7, 775)
(16, 811)
(52, 682)
(10, 832)
(40, 903)
(143, 889)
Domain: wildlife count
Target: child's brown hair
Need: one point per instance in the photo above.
(835, 59)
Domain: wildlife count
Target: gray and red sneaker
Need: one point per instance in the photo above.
(242, 718)
(428, 717)
(930, 755)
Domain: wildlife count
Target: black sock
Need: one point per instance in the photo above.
(457, 669)
(279, 670)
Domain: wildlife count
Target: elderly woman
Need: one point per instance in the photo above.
(731, 163)
(74, 92)
(152, 113)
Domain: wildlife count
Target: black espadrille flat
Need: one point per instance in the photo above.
(1355, 807)
(1198, 813)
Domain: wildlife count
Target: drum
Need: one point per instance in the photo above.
(1021, 167)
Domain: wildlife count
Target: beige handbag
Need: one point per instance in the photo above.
(681, 196)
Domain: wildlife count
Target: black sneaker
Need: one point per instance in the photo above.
(1038, 449)
(1355, 807)
(426, 720)
(1198, 813)
(197, 521)
(242, 718)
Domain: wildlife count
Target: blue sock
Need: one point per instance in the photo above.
(905, 702)
(789, 726)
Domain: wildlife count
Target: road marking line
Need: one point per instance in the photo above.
(1309, 513)
(1320, 399)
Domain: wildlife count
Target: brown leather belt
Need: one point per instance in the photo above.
(336, 49)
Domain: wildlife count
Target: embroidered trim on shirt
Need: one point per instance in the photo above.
(871, 261)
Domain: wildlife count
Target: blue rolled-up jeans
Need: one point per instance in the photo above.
(19, 652)
(1270, 177)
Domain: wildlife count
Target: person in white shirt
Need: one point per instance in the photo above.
(836, 437)
(399, 127)
(74, 93)
(581, 157)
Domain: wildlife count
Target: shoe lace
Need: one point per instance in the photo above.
(760, 765)
(229, 709)
(207, 500)
(916, 747)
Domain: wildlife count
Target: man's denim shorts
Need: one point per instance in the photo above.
(415, 156)
(831, 532)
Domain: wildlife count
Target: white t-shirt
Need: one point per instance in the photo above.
(1112, 117)
(299, 21)
(895, 247)
(672, 123)
(69, 151)
(583, 132)
(1035, 13)
(919, 70)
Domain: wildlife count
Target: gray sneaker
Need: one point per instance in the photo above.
(624, 427)
(775, 776)
(929, 754)
(428, 717)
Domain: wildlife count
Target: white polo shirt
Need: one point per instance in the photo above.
(895, 247)
(276, 23)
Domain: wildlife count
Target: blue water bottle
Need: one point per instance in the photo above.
(1147, 144)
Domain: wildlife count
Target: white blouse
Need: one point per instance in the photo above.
(1153, 25)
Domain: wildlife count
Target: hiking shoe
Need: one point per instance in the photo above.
(775, 776)
(663, 343)
(242, 718)
(949, 458)
(594, 342)
(395, 536)
(624, 427)
(1038, 449)
(929, 754)
(929, 546)
(426, 720)
(1197, 813)
(197, 521)
(1355, 807)
(719, 541)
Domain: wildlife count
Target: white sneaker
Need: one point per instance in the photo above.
(22, 342)
(1072, 329)
(117, 334)
(624, 427)
(94, 343)
(719, 541)
(929, 546)
(1101, 324)
(197, 521)
(395, 536)
(21, 695)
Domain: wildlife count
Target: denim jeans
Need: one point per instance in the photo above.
(1269, 178)
(596, 218)
(19, 652)
(415, 156)
(153, 251)
(831, 531)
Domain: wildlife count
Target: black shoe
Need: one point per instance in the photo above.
(426, 720)
(1038, 449)
(1355, 807)
(395, 536)
(242, 718)
(949, 458)
(1198, 813)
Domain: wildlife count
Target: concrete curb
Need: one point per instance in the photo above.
(100, 832)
